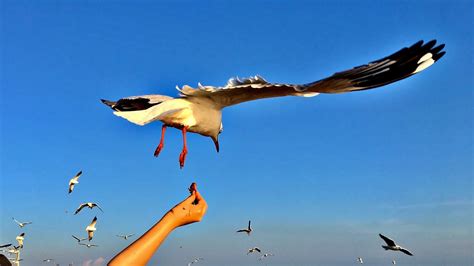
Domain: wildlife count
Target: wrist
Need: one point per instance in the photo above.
(170, 220)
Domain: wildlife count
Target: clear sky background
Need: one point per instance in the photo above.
(319, 177)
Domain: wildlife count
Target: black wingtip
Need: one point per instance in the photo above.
(429, 44)
(437, 49)
(108, 103)
(417, 45)
(438, 56)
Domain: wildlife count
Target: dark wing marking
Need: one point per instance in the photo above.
(80, 208)
(387, 240)
(406, 251)
(136, 103)
(5, 246)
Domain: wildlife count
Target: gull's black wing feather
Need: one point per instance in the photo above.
(406, 252)
(387, 240)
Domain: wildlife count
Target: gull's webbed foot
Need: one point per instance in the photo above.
(182, 158)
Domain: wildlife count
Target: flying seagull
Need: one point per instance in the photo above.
(20, 239)
(125, 236)
(20, 224)
(48, 260)
(266, 255)
(74, 181)
(392, 246)
(251, 250)
(359, 259)
(199, 110)
(195, 260)
(91, 229)
(90, 205)
(88, 245)
(79, 239)
(247, 230)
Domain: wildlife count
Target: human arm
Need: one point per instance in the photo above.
(190, 210)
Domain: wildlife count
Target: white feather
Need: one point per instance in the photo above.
(424, 65)
(424, 58)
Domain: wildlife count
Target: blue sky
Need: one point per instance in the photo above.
(319, 177)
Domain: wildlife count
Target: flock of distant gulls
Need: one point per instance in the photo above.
(199, 110)
(90, 229)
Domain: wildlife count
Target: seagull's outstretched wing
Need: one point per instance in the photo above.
(406, 251)
(16, 221)
(97, 205)
(397, 66)
(94, 221)
(387, 240)
(77, 238)
(80, 208)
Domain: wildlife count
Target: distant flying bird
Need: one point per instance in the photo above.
(90, 205)
(359, 259)
(251, 250)
(48, 260)
(125, 236)
(79, 239)
(195, 260)
(394, 262)
(20, 224)
(199, 110)
(5, 246)
(91, 229)
(88, 245)
(20, 239)
(266, 255)
(74, 181)
(392, 246)
(247, 230)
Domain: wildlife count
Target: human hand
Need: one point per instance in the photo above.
(190, 210)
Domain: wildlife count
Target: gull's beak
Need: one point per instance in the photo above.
(216, 142)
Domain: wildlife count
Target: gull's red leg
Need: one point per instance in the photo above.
(162, 141)
(182, 156)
